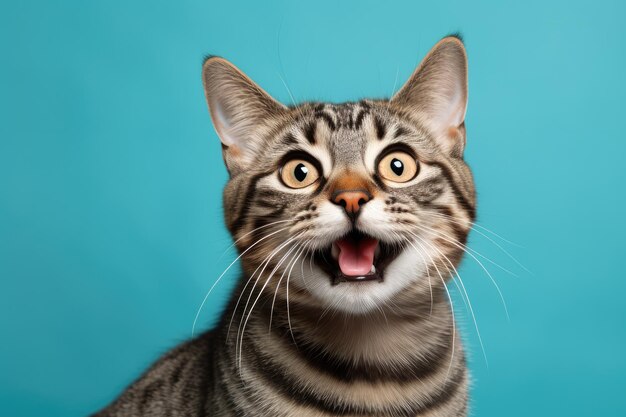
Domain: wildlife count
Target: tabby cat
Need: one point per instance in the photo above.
(349, 219)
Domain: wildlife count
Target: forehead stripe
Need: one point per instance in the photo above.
(359, 118)
(309, 132)
(326, 117)
(289, 139)
(381, 129)
(400, 131)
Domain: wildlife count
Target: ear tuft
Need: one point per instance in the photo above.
(457, 35)
(436, 93)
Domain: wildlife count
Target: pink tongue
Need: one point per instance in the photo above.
(356, 258)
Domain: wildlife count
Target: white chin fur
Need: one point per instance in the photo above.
(359, 298)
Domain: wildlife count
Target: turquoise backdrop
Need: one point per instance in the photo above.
(111, 175)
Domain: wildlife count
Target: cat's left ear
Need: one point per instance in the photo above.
(436, 94)
(240, 110)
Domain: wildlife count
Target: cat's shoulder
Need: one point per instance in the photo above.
(178, 382)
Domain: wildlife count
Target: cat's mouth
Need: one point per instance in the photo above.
(355, 257)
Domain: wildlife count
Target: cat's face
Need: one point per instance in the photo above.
(353, 204)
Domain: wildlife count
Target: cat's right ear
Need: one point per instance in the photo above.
(239, 109)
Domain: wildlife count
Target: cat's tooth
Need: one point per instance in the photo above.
(334, 251)
(373, 270)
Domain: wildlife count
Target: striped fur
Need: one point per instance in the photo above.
(292, 342)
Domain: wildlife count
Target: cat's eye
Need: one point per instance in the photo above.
(398, 166)
(298, 173)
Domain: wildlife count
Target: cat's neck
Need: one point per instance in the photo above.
(392, 333)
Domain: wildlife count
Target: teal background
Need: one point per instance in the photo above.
(111, 174)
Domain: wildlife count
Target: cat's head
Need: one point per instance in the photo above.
(349, 204)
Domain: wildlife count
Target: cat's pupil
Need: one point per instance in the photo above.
(397, 166)
(300, 172)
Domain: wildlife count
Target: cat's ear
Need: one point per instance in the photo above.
(436, 93)
(239, 109)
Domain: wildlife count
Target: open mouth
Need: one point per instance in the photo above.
(355, 257)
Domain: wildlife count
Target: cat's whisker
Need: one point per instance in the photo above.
(311, 261)
(469, 252)
(507, 253)
(291, 97)
(379, 307)
(260, 274)
(249, 233)
(276, 293)
(288, 313)
(464, 295)
(280, 262)
(475, 225)
(243, 290)
(468, 248)
(306, 254)
(430, 285)
(393, 89)
(241, 332)
(462, 290)
(443, 282)
(271, 274)
(195, 320)
(330, 307)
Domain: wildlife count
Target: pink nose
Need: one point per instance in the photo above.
(351, 200)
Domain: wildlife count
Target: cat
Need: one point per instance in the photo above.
(349, 218)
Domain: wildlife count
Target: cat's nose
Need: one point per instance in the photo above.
(351, 200)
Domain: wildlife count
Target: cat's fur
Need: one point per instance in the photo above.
(293, 341)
